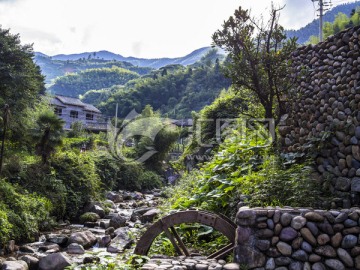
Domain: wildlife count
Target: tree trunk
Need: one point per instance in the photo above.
(6, 116)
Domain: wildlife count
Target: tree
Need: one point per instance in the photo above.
(49, 135)
(258, 58)
(313, 40)
(21, 82)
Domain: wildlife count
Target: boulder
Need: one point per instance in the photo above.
(115, 197)
(31, 261)
(75, 248)
(150, 215)
(117, 221)
(87, 239)
(104, 241)
(57, 239)
(15, 265)
(56, 261)
(98, 210)
(49, 247)
(122, 240)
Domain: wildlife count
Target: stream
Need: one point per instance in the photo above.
(110, 238)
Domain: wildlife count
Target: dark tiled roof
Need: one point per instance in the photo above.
(91, 108)
(63, 101)
(56, 102)
(70, 101)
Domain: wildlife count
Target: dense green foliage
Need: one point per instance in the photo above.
(21, 214)
(21, 82)
(78, 174)
(116, 174)
(77, 84)
(52, 68)
(88, 217)
(64, 175)
(174, 94)
(249, 167)
(95, 97)
(207, 123)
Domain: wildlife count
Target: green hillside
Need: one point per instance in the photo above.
(52, 68)
(175, 94)
(77, 84)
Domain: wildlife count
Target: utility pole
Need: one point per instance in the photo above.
(321, 11)
(116, 119)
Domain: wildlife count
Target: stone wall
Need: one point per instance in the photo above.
(325, 117)
(297, 239)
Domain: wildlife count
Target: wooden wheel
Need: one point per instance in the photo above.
(219, 222)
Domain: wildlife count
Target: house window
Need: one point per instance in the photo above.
(74, 114)
(58, 111)
(89, 116)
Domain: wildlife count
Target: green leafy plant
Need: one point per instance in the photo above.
(21, 214)
(88, 216)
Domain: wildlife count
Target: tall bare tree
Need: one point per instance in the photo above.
(258, 58)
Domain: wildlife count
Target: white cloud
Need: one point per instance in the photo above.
(142, 28)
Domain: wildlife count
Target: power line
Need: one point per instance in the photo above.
(324, 5)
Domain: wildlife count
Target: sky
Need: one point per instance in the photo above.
(139, 28)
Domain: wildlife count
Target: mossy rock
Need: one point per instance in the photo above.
(89, 217)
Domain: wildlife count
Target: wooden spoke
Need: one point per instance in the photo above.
(218, 222)
(181, 243)
(172, 240)
(222, 252)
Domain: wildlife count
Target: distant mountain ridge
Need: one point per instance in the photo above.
(141, 62)
(312, 29)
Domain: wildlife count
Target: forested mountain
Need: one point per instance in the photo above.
(312, 29)
(141, 62)
(175, 93)
(76, 84)
(52, 69)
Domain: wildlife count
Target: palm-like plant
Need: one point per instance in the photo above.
(48, 135)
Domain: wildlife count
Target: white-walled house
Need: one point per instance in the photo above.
(74, 110)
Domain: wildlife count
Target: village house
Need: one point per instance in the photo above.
(74, 110)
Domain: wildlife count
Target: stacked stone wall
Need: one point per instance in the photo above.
(298, 239)
(325, 117)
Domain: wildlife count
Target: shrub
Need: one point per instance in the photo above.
(89, 217)
(246, 167)
(118, 174)
(78, 174)
(107, 168)
(150, 180)
(41, 179)
(21, 213)
(5, 225)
